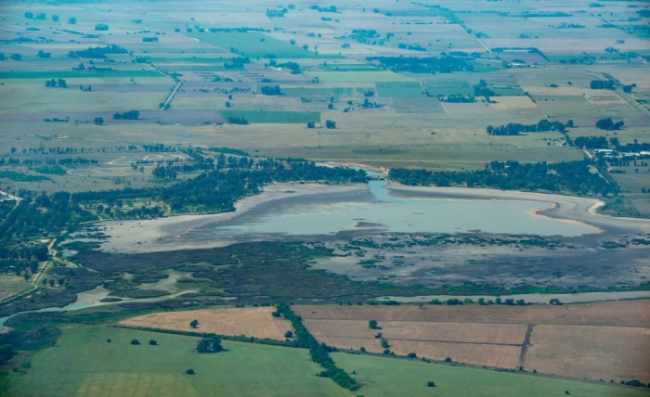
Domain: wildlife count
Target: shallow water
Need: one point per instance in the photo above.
(400, 215)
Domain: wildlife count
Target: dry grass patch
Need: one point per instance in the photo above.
(254, 321)
(513, 103)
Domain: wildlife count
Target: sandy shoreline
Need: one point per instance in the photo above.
(123, 233)
(177, 232)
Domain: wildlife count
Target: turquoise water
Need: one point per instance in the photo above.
(402, 215)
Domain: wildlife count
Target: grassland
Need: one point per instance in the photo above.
(72, 368)
(410, 378)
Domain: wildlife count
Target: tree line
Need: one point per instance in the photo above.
(443, 64)
(517, 128)
(573, 177)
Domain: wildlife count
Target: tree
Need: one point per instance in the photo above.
(135, 342)
(609, 125)
(448, 360)
(311, 124)
(101, 27)
(16, 57)
(330, 124)
(98, 120)
(411, 355)
(153, 342)
(209, 345)
(190, 372)
(6, 353)
(372, 324)
(431, 384)
(194, 323)
(55, 18)
(109, 340)
(29, 15)
(384, 344)
(288, 334)
(72, 20)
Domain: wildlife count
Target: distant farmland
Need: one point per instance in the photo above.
(578, 341)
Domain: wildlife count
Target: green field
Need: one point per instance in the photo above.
(399, 90)
(360, 77)
(386, 378)
(83, 363)
(253, 44)
(273, 117)
(69, 74)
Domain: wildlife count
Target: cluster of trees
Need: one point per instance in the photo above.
(443, 64)
(457, 98)
(481, 89)
(130, 115)
(101, 27)
(43, 54)
(271, 90)
(237, 63)
(323, 9)
(211, 344)
(412, 47)
(609, 125)
(33, 162)
(153, 39)
(38, 17)
(602, 85)
(56, 83)
(276, 13)
(575, 177)
(516, 128)
(97, 52)
(591, 142)
(237, 120)
(319, 352)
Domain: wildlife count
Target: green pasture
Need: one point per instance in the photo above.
(399, 90)
(272, 117)
(253, 44)
(69, 74)
(386, 377)
(359, 77)
(83, 363)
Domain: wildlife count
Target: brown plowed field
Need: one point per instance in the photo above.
(607, 340)
(253, 321)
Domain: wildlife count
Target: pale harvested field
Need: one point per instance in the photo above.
(254, 321)
(607, 340)
(421, 331)
(591, 352)
(513, 103)
(499, 356)
(616, 313)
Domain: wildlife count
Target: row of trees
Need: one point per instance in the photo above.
(443, 64)
(516, 128)
(573, 177)
(319, 352)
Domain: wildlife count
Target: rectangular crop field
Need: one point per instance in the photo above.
(272, 117)
(254, 321)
